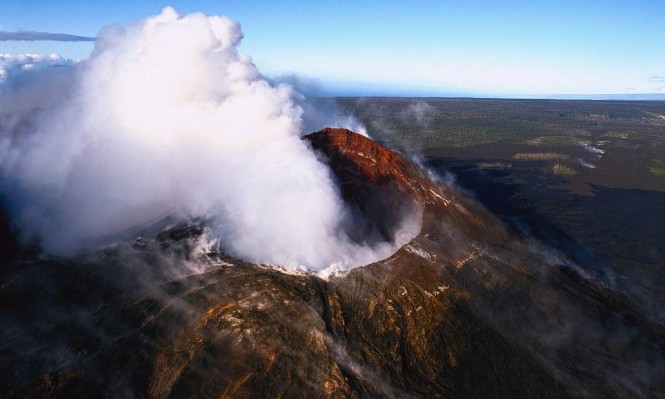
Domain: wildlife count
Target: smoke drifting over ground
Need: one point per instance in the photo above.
(167, 118)
(589, 148)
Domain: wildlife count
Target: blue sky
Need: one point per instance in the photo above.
(502, 48)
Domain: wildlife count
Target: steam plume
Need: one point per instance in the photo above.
(167, 118)
(585, 164)
(589, 148)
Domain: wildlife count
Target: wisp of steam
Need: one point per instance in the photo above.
(167, 118)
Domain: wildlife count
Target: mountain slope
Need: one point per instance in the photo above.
(466, 309)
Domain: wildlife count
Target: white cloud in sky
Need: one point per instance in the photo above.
(11, 65)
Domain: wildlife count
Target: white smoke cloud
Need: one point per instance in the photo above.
(164, 118)
(585, 164)
(423, 113)
(589, 148)
(317, 110)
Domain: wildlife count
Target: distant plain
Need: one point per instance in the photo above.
(586, 178)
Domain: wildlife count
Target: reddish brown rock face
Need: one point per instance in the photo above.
(374, 177)
(465, 310)
(363, 159)
(381, 185)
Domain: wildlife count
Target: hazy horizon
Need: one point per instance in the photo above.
(362, 90)
(588, 49)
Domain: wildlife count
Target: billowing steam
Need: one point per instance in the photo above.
(585, 164)
(167, 118)
(589, 148)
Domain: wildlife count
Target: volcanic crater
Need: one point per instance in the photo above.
(466, 309)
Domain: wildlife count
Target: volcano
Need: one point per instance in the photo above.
(466, 309)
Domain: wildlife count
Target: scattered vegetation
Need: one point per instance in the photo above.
(494, 165)
(579, 133)
(618, 135)
(540, 156)
(553, 140)
(660, 172)
(563, 170)
(429, 123)
(658, 168)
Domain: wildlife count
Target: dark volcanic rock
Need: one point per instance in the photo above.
(464, 310)
(9, 248)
